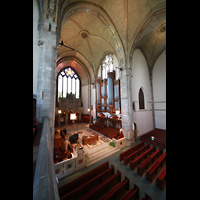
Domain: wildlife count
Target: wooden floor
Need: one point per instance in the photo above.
(160, 137)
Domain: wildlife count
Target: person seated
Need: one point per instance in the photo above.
(121, 135)
(69, 154)
(62, 146)
(65, 131)
(57, 140)
(63, 134)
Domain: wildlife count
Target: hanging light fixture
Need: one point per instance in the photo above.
(62, 44)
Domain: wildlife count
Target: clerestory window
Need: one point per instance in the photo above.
(107, 65)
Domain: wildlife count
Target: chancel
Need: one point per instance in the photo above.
(99, 99)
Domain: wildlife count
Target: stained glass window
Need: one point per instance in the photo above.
(107, 65)
(59, 86)
(64, 86)
(68, 82)
(69, 72)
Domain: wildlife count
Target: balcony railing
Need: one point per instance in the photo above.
(45, 185)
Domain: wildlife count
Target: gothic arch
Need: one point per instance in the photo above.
(67, 10)
(141, 98)
(153, 13)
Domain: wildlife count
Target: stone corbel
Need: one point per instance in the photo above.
(56, 48)
(40, 43)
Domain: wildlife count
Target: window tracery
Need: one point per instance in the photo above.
(68, 83)
(107, 65)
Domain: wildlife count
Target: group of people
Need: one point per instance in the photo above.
(61, 145)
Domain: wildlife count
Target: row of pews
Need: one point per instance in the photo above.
(100, 183)
(110, 132)
(147, 159)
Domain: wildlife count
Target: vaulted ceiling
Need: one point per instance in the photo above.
(97, 27)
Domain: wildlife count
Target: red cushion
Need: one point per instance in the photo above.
(113, 190)
(130, 192)
(34, 130)
(153, 167)
(155, 152)
(161, 157)
(145, 161)
(162, 174)
(91, 191)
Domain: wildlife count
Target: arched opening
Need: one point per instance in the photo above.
(135, 130)
(141, 99)
(109, 64)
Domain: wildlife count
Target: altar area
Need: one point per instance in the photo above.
(96, 148)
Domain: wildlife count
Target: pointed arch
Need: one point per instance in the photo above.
(141, 99)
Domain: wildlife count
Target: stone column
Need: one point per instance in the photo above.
(46, 90)
(126, 103)
(152, 98)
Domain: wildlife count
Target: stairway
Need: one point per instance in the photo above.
(101, 154)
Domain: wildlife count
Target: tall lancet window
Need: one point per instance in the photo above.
(141, 99)
(68, 82)
(107, 65)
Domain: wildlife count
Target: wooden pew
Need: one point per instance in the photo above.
(132, 194)
(138, 160)
(89, 185)
(136, 153)
(117, 192)
(105, 186)
(131, 150)
(147, 197)
(64, 189)
(148, 161)
(110, 132)
(153, 169)
(161, 178)
(97, 126)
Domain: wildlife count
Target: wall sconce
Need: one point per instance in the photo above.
(88, 110)
(59, 111)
